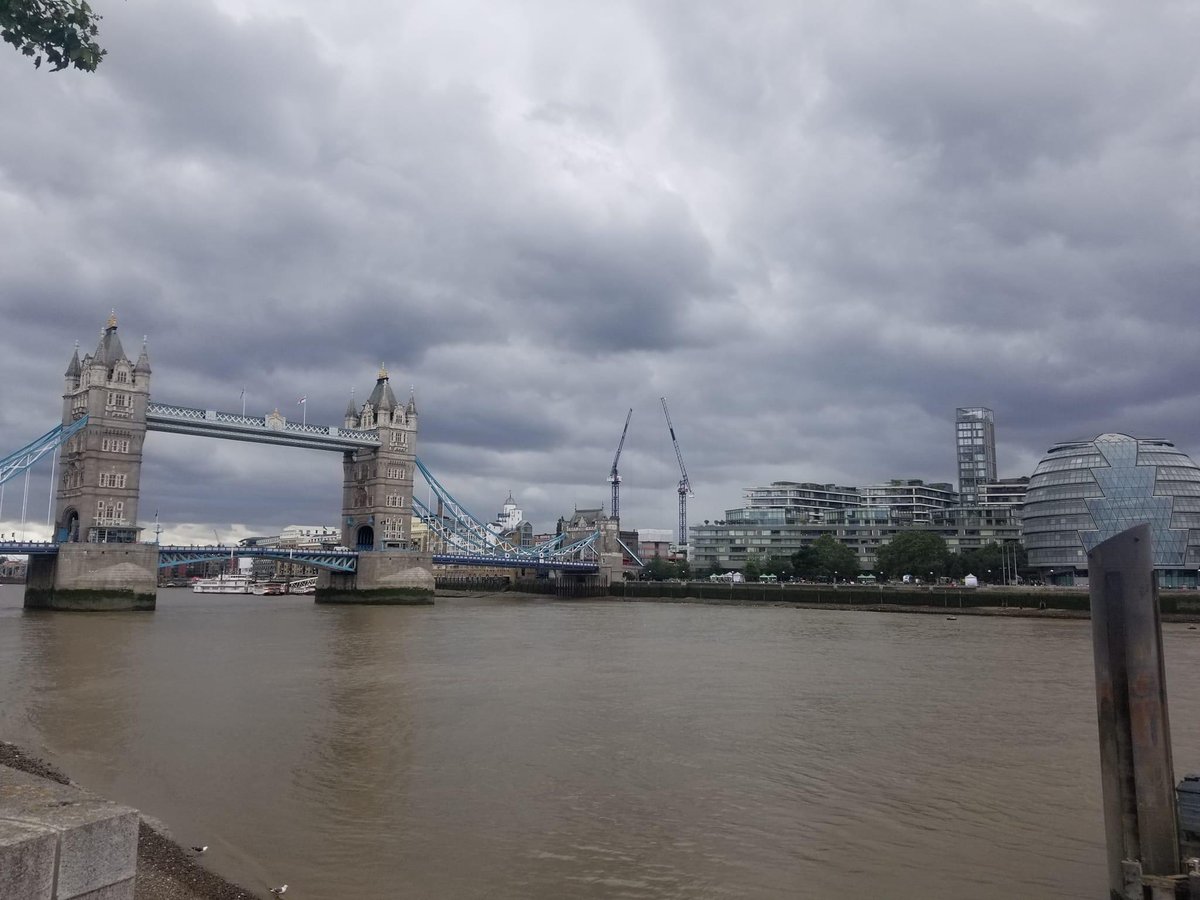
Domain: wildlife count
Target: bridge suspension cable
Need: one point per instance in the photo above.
(463, 533)
(15, 463)
(466, 529)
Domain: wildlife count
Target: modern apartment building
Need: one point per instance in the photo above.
(778, 521)
(1004, 492)
(975, 437)
(795, 501)
(729, 545)
(910, 500)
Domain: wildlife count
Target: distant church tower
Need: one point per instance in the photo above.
(96, 499)
(377, 482)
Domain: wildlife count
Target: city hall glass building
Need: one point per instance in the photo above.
(1085, 492)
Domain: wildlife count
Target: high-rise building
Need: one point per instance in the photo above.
(975, 436)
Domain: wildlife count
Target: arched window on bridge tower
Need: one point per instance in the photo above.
(70, 526)
(365, 539)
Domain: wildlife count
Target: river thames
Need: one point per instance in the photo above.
(508, 747)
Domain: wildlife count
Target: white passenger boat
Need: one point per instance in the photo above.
(223, 584)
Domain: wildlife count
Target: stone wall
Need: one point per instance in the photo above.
(58, 841)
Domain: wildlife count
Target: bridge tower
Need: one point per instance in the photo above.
(377, 482)
(100, 563)
(96, 500)
(377, 508)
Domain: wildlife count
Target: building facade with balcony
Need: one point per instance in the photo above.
(910, 500)
(730, 544)
(795, 501)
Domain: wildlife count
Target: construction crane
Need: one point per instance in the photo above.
(614, 478)
(685, 486)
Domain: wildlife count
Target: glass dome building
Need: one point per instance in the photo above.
(1085, 492)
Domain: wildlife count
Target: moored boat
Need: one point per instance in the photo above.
(223, 584)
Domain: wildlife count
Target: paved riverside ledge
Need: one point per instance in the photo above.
(59, 842)
(164, 870)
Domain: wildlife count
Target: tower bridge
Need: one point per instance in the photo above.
(96, 559)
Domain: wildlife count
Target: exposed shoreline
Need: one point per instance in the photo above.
(1005, 612)
(165, 870)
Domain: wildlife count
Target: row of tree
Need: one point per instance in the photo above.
(921, 554)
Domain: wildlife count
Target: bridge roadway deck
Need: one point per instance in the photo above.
(338, 560)
(255, 429)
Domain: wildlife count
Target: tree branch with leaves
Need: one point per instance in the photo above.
(60, 31)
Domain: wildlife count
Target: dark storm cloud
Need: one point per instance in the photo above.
(817, 230)
(611, 286)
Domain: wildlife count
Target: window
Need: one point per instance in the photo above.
(112, 479)
(394, 500)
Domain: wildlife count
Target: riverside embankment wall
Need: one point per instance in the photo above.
(1186, 602)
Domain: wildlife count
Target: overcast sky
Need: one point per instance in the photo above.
(816, 228)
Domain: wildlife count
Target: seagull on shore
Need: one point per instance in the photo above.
(200, 849)
(279, 890)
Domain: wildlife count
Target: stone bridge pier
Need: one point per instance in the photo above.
(94, 577)
(384, 577)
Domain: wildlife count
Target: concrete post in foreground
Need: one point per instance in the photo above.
(1136, 771)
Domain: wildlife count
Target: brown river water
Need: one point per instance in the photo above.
(506, 747)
